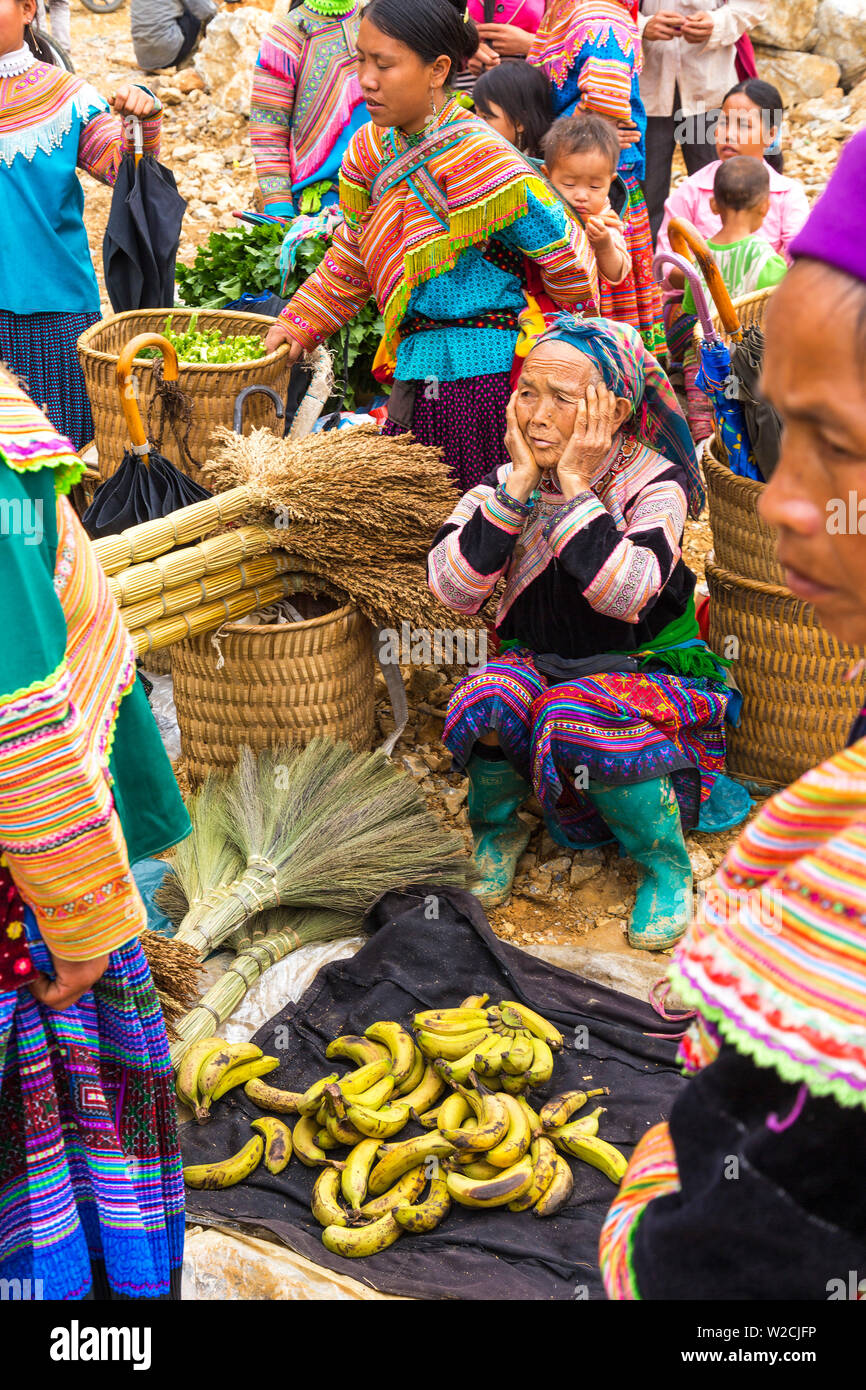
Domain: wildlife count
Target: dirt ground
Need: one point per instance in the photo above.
(559, 898)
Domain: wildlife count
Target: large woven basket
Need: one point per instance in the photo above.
(212, 389)
(798, 707)
(281, 684)
(743, 543)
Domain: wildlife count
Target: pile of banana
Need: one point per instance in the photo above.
(462, 1077)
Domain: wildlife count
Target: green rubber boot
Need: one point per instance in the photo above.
(496, 793)
(645, 818)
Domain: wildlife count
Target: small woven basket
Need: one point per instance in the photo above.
(743, 543)
(798, 707)
(211, 388)
(280, 684)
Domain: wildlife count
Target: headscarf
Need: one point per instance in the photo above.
(834, 231)
(630, 370)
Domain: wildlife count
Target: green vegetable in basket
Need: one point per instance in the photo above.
(210, 347)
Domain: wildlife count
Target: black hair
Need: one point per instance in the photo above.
(577, 135)
(429, 27)
(523, 93)
(741, 182)
(768, 100)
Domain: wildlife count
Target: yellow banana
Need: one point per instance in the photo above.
(399, 1158)
(210, 1176)
(278, 1142)
(352, 1083)
(353, 1179)
(541, 1069)
(229, 1055)
(430, 1120)
(239, 1076)
(475, 1001)
(271, 1098)
(543, 1158)
(514, 1085)
(191, 1064)
(587, 1125)
(450, 1048)
(478, 1168)
(518, 1057)
(342, 1131)
(427, 1215)
(379, 1124)
(356, 1049)
(601, 1155)
(493, 1122)
(532, 1115)
(313, 1097)
(538, 1026)
(459, 1071)
(558, 1192)
(415, 1076)
(492, 1192)
(399, 1043)
(560, 1109)
(376, 1097)
(454, 1110)
(407, 1188)
(489, 1052)
(325, 1140)
(451, 1021)
(425, 1094)
(325, 1202)
(305, 1146)
(515, 1145)
(357, 1241)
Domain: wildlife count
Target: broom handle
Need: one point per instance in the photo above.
(208, 557)
(125, 381)
(686, 240)
(209, 616)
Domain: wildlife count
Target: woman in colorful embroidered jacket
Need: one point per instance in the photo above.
(604, 701)
(439, 214)
(91, 1189)
(754, 1189)
(306, 102)
(591, 53)
(50, 124)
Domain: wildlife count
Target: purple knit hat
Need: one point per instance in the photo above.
(834, 231)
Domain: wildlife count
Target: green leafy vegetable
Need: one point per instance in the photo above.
(210, 347)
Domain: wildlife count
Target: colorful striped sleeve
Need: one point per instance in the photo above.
(271, 108)
(335, 292)
(605, 85)
(105, 139)
(559, 247)
(476, 544)
(651, 1173)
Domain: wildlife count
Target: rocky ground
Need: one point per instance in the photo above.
(559, 898)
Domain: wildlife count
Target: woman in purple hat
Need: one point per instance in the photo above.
(753, 1189)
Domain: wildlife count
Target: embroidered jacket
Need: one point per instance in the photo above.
(602, 572)
(51, 123)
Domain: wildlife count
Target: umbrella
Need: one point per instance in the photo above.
(146, 486)
(139, 249)
(763, 423)
(715, 377)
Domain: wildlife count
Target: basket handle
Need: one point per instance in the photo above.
(128, 401)
(687, 241)
(243, 397)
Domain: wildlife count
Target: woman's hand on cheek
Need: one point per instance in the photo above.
(525, 474)
(590, 441)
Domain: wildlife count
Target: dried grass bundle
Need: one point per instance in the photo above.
(175, 969)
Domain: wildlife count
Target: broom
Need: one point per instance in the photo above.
(287, 929)
(324, 826)
(206, 862)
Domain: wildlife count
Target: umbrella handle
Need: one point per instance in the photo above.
(688, 268)
(687, 241)
(241, 400)
(128, 400)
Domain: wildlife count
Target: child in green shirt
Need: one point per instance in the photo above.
(746, 260)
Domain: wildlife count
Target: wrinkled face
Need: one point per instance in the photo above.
(583, 181)
(13, 16)
(742, 129)
(815, 377)
(553, 381)
(397, 85)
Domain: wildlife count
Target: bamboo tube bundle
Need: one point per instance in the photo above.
(289, 930)
(152, 538)
(178, 567)
(220, 584)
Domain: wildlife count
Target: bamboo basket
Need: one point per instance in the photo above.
(279, 684)
(742, 542)
(798, 706)
(212, 388)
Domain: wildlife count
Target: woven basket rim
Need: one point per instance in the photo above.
(749, 487)
(745, 301)
(759, 586)
(262, 629)
(98, 355)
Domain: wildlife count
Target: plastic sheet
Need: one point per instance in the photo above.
(220, 1265)
(162, 704)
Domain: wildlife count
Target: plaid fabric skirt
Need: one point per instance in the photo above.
(41, 349)
(467, 422)
(91, 1183)
(615, 729)
(638, 300)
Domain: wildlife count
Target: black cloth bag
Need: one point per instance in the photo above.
(429, 952)
(763, 423)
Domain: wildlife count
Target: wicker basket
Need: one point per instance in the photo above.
(279, 685)
(212, 389)
(798, 707)
(743, 543)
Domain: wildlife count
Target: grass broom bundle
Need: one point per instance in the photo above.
(324, 826)
(175, 970)
(206, 863)
(281, 932)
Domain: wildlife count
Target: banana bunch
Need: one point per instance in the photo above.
(273, 1143)
(213, 1067)
(509, 1045)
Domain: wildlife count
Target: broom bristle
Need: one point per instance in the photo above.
(175, 970)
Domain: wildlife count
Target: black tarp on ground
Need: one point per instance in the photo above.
(413, 963)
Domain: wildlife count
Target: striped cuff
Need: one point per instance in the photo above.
(505, 512)
(571, 518)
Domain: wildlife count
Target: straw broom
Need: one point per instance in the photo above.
(175, 970)
(334, 829)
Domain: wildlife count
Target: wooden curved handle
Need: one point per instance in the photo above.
(132, 414)
(687, 241)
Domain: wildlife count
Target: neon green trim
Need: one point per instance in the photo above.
(68, 470)
(35, 687)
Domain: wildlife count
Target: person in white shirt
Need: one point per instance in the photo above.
(688, 64)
